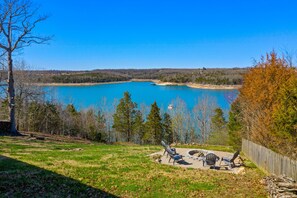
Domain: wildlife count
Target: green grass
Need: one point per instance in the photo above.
(57, 168)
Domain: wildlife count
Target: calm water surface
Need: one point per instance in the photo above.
(141, 92)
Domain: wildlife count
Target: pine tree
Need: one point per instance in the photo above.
(101, 126)
(72, 120)
(139, 128)
(218, 135)
(71, 110)
(285, 118)
(154, 125)
(124, 117)
(90, 128)
(234, 126)
(167, 128)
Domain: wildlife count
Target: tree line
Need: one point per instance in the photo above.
(124, 120)
(201, 76)
(265, 111)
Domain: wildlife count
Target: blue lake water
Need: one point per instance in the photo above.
(141, 93)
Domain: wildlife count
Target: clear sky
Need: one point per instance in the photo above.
(97, 34)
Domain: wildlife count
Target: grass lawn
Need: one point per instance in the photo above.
(52, 168)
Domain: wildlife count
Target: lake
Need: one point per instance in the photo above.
(141, 92)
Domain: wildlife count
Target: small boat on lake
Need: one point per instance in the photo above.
(170, 106)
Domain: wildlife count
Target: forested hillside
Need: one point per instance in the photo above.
(202, 76)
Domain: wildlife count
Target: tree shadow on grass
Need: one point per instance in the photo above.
(19, 179)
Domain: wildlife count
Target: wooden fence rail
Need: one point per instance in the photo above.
(270, 161)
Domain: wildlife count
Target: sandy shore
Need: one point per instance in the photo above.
(156, 82)
(145, 80)
(203, 86)
(199, 86)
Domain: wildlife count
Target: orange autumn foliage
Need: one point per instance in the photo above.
(259, 98)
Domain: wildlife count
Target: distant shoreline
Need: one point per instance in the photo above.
(200, 86)
(156, 82)
(77, 84)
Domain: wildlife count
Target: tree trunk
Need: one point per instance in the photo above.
(11, 95)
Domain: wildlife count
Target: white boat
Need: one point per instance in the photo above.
(170, 106)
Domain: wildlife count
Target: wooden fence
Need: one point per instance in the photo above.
(270, 161)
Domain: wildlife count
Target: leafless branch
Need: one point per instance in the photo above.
(18, 19)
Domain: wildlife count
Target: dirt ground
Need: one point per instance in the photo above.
(193, 161)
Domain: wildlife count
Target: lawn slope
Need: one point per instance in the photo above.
(60, 168)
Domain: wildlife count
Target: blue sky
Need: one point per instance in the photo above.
(162, 33)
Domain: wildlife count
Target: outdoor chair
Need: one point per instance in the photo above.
(167, 148)
(175, 156)
(171, 152)
(210, 159)
(229, 161)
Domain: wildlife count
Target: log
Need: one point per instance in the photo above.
(281, 186)
(287, 185)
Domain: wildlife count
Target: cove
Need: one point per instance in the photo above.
(83, 97)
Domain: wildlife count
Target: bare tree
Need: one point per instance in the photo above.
(179, 115)
(203, 112)
(289, 56)
(3, 78)
(18, 19)
(25, 92)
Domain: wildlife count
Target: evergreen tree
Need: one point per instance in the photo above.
(139, 128)
(72, 120)
(219, 134)
(124, 117)
(52, 118)
(36, 119)
(71, 110)
(285, 117)
(234, 126)
(90, 127)
(154, 125)
(101, 120)
(167, 128)
(101, 126)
